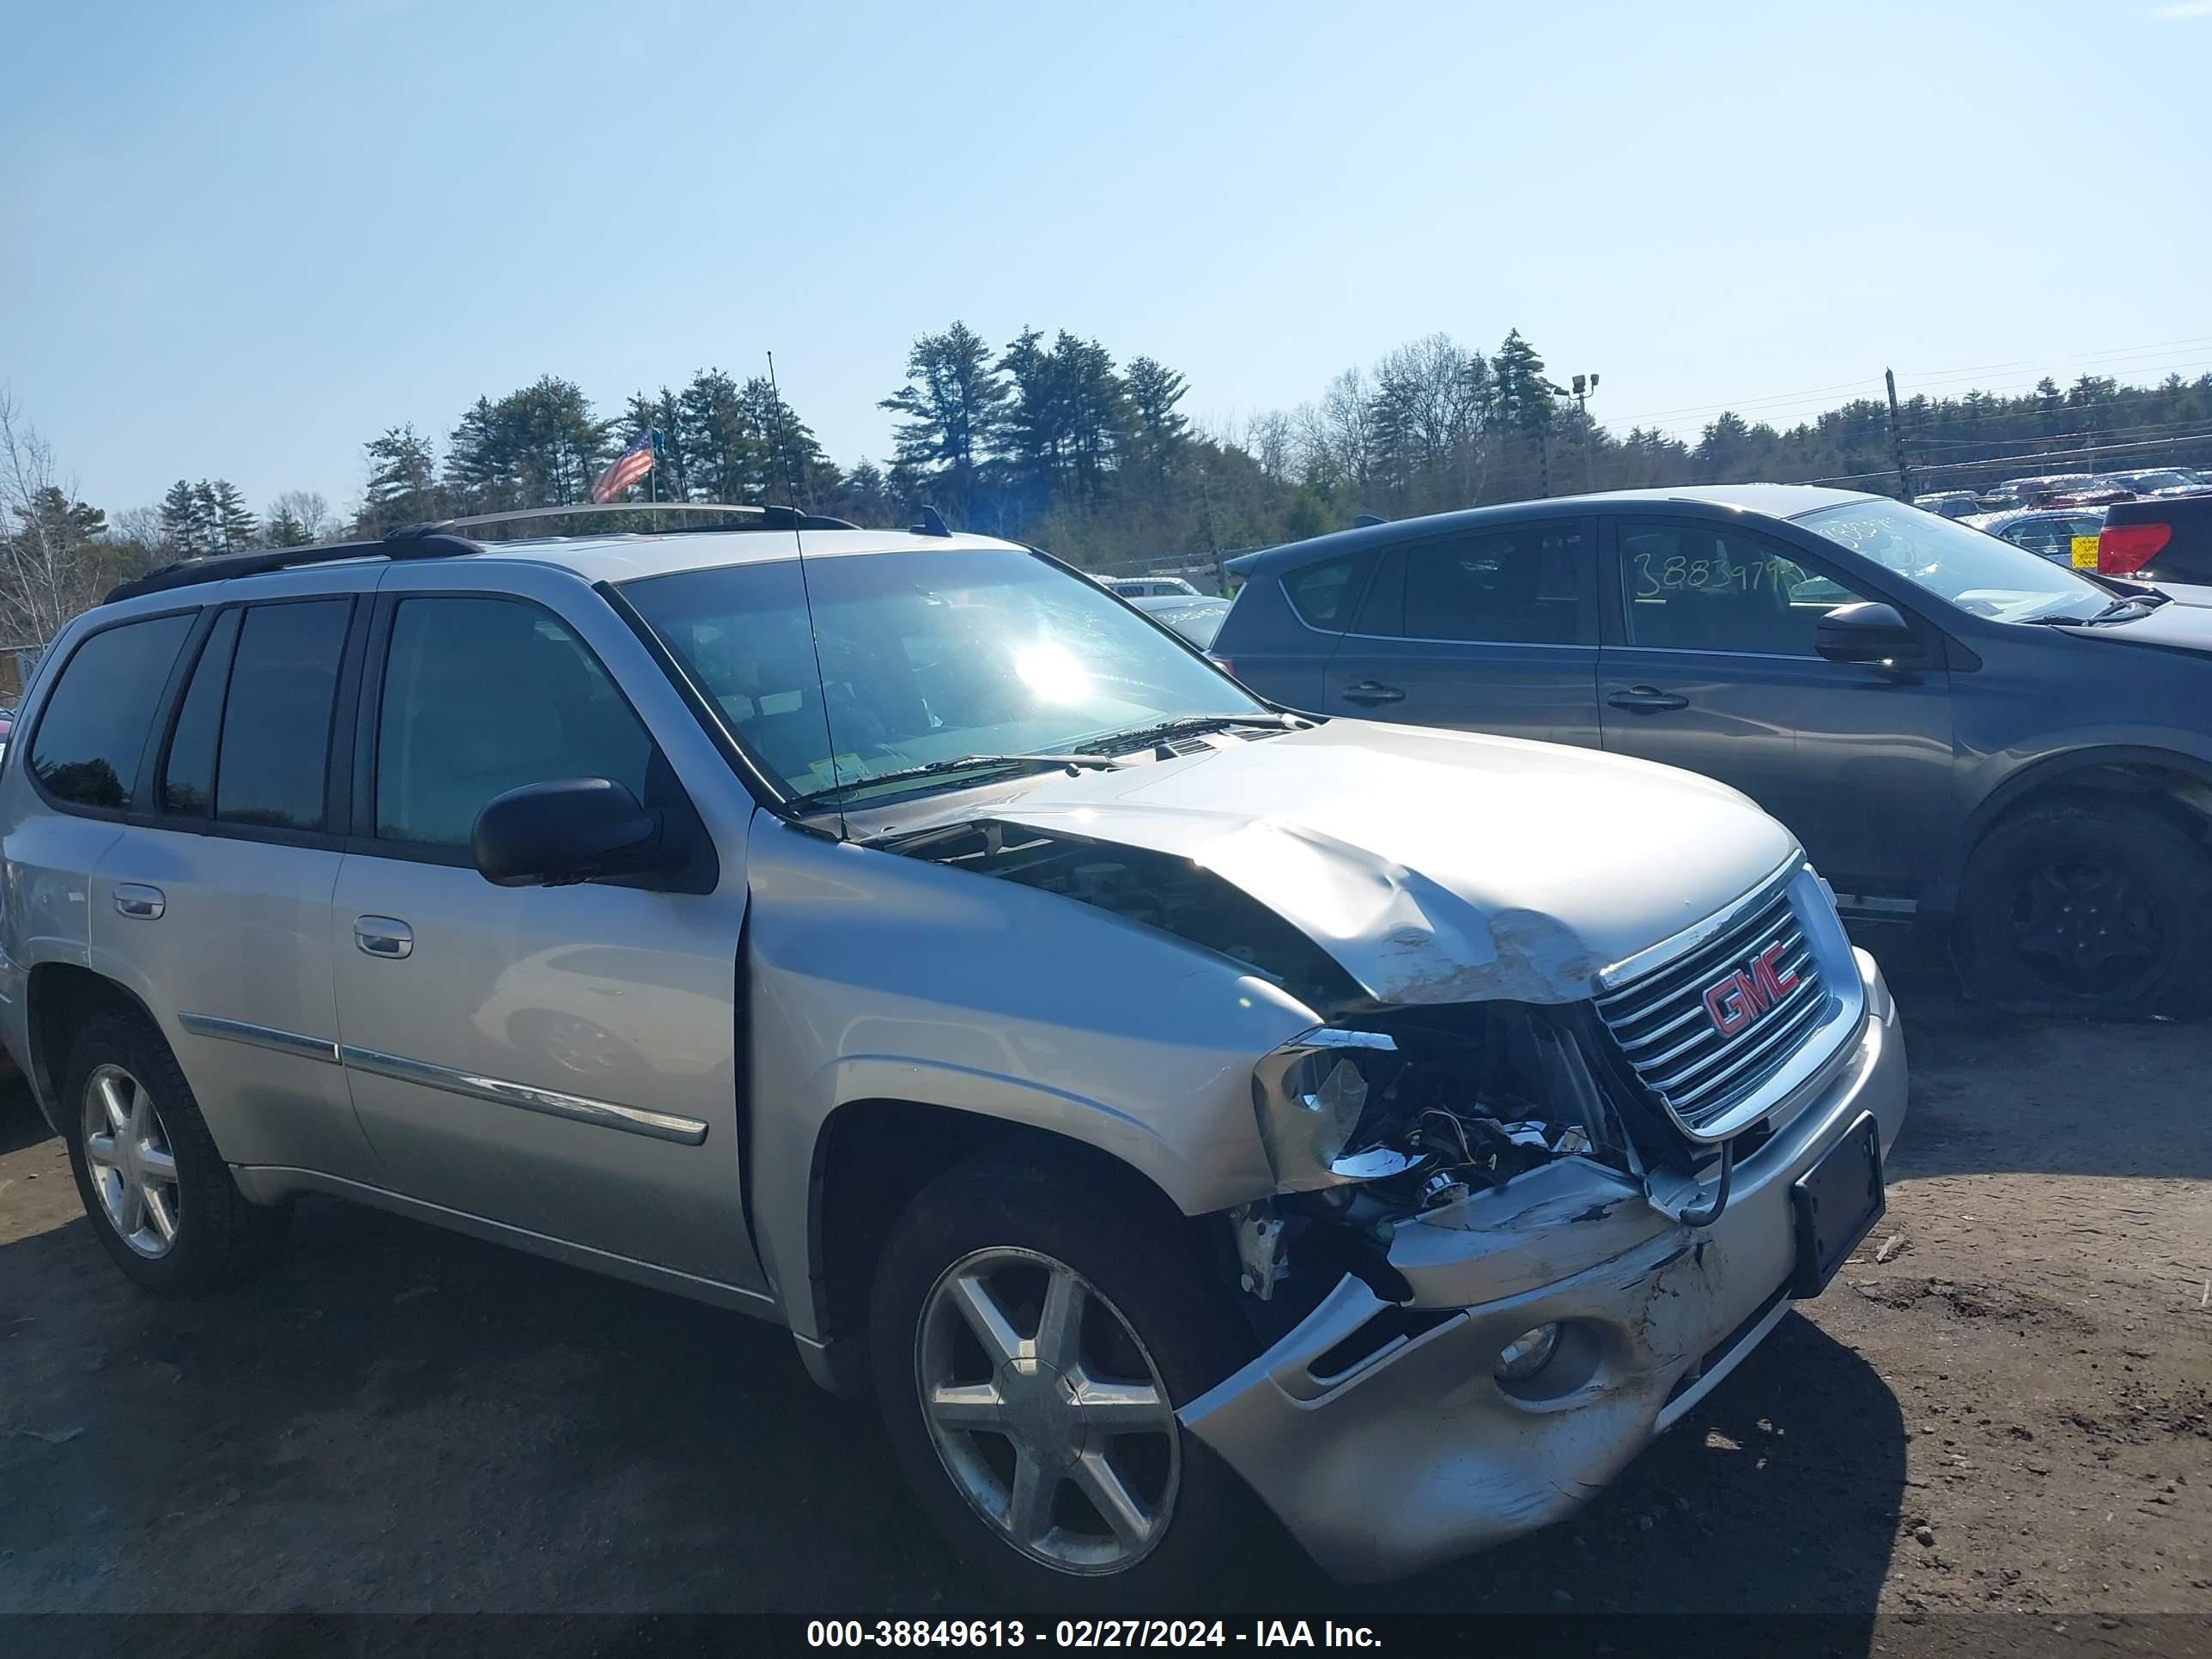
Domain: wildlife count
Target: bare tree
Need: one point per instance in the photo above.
(46, 574)
(297, 518)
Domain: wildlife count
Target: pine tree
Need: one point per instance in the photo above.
(231, 524)
(182, 524)
(723, 451)
(953, 400)
(1159, 433)
(403, 474)
(792, 467)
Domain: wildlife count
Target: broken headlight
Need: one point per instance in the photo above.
(1309, 1094)
(1433, 1103)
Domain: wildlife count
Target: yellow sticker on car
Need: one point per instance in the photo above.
(2085, 552)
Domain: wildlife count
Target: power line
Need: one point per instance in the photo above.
(2064, 361)
(2039, 455)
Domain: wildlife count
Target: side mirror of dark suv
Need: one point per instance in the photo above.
(1870, 632)
(571, 829)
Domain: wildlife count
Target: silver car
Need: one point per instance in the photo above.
(1158, 1100)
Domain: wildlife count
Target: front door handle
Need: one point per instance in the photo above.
(1646, 700)
(1368, 691)
(383, 936)
(139, 902)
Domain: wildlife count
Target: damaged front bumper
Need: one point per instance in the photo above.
(1379, 1432)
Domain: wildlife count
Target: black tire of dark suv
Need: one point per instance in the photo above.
(2088, 908)
(217, 1236)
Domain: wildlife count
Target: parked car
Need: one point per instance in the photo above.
(2163, 480)
(1959, 731)
(1197, 620)
(1155, 1096)
(2066, 535)
(1950, 503)
(2165, 540)
(1152, 587)
(2045, 489)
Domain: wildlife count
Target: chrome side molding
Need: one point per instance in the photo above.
(261, 1037)
(498, 1091)
(580, 1109)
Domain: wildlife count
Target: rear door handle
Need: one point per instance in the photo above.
(383, 936)
(139, 902)
(1646, 700)
(1368, 691)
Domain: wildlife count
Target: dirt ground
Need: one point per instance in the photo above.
(2005, 1403)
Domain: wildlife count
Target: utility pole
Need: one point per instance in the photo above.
(1584, 385)
(1897, 437)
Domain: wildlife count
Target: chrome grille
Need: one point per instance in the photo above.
(1659, 1019)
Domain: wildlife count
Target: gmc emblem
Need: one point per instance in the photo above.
(1745, 994)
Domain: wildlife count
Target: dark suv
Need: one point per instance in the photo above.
(1957, 730)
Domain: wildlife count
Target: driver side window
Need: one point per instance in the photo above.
(482, 695)
(1696, 587)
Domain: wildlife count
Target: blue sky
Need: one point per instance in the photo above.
(244, 237)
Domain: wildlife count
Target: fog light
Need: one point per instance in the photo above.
(1527, 1353)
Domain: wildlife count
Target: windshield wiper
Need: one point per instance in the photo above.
(2111, 612)
(1137, 736)
(964, 764)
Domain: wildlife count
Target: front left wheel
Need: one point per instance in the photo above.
(1032, 1338)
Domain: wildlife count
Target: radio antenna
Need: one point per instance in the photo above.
(806, 597)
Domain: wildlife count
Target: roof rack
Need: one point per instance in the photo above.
(222, 567)
(767, 518)
(438, 541)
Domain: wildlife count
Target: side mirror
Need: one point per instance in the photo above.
(549, 835)
(1869, 632)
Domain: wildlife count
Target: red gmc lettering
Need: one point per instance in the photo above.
(1743, 996)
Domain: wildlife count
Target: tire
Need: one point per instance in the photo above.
(2089, 910)
(1151, 1319)
(130, 1117)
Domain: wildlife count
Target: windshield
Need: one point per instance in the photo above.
(1976, 572)
(925, 656)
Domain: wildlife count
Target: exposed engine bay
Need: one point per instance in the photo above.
(1383, 1115)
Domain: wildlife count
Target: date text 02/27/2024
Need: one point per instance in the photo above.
(1070, 1634)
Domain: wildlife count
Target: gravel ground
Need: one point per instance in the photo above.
(2002, 1404)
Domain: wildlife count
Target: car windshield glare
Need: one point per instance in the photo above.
(1958, 564)
(924, 656)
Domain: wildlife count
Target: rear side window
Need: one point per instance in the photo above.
(275, 749)
(93, 734)
(188, 779)
(1322, 594)
(1514, 587)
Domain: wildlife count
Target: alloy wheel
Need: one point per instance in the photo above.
(127, 1150)
(1047, 1411)
(2087, 926)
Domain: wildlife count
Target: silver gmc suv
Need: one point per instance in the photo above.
(1158, 1099)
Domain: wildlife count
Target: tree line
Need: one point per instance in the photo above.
(1049, 438)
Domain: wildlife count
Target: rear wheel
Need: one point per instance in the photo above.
(2089, 910)
(159, 1194)
(1031, 1339)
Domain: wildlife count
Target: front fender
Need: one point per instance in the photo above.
(873, 976)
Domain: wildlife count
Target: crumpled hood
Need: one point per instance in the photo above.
(1435, 866)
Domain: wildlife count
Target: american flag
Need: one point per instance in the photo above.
(626, 469)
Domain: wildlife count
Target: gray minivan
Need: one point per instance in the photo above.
(1955, 728)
